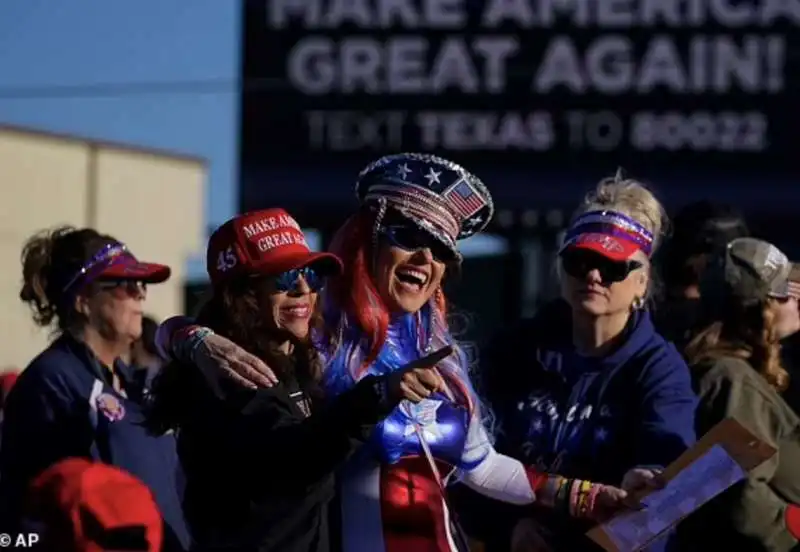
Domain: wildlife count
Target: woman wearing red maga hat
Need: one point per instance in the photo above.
(259, 464)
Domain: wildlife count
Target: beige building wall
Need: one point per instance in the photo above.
(151, 201)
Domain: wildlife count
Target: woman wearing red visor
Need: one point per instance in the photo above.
(588, 388)
(73, 399)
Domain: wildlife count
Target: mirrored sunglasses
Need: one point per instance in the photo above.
(290, 279)
(413, 239)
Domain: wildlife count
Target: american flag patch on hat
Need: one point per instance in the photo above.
(445, 190)
(464, 199)
(794, 281)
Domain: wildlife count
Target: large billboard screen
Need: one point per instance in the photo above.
(560, 85)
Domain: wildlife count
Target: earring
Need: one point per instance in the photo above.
(638, 303)
(378, 222)
(376, 228)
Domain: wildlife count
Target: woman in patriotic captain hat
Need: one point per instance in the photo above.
(388, 309)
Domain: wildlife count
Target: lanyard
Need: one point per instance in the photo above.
(461, 540)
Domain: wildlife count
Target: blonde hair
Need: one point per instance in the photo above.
(629, 197)
(746, 332)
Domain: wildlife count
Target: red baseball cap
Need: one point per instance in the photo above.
(265, 242)
(93, 507)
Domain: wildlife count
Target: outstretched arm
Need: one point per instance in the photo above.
(507, 479)
(180, 338)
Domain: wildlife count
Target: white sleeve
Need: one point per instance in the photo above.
(491, 474)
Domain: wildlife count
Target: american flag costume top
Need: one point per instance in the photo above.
(391, 494)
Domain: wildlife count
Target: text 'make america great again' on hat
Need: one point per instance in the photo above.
(276, 238)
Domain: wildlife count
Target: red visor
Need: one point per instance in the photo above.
(128, 268)
(114, 261)
(611, 247)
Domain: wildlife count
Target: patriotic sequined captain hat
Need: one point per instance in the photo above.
(437, 195)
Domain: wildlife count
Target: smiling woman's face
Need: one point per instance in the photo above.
(409, 268)
(288, 310)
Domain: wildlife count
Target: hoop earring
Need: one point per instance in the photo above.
(638, 303)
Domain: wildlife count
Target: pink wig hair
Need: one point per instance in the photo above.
(354, 292)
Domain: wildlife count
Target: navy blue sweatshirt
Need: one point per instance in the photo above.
(64, 406)
(584, 417)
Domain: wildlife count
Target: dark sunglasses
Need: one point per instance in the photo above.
(132, 288)
(288, 280)
(413, 239)
(578, 264)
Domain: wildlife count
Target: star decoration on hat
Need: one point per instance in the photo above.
(433, 176)
(403, 171)
(448, 200)
(472, 223)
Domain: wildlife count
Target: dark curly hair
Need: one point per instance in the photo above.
(233, 311)
(50, 259)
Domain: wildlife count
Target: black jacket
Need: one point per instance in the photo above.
(260, 465)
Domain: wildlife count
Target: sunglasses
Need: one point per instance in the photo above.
(579, 263)
(413, 239)
(123, 288)
(289, 280)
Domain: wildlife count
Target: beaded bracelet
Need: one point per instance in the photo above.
(583, 500)
(591, 499)
(188, 340)
(551, 489)
(196, 339)
(561, 500)
(575, 497)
